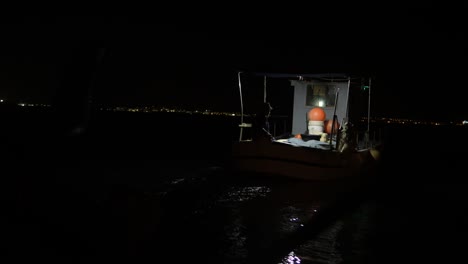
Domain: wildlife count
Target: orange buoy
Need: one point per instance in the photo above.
(299, 136)
(328, 126)
(316, 114)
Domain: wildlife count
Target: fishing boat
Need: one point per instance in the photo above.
(325, 142)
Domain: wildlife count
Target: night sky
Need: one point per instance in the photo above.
(417, 57)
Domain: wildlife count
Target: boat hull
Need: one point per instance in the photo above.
(305, 163)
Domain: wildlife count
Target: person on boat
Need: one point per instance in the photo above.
(347, 138)
(261, 122)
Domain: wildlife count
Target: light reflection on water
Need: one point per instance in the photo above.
(323, 248)
(243, 194)
(242, 219)
(296, 216)
(291, 259)
(208, 216)
(256, 220)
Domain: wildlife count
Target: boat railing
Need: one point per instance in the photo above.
(369, 139)
(275, 126)
(278, 125)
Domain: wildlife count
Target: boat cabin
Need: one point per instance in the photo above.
(324, 93)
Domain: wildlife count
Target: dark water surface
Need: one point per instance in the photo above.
(157, 188)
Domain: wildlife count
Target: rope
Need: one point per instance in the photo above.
(241, 105)
(267, 123)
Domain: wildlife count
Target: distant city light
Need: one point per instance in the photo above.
(1, 100)
(321, 103)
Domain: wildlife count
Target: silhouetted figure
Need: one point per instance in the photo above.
(261, 125)
(73, 99)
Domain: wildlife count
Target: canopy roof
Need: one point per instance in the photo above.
(305, 76)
